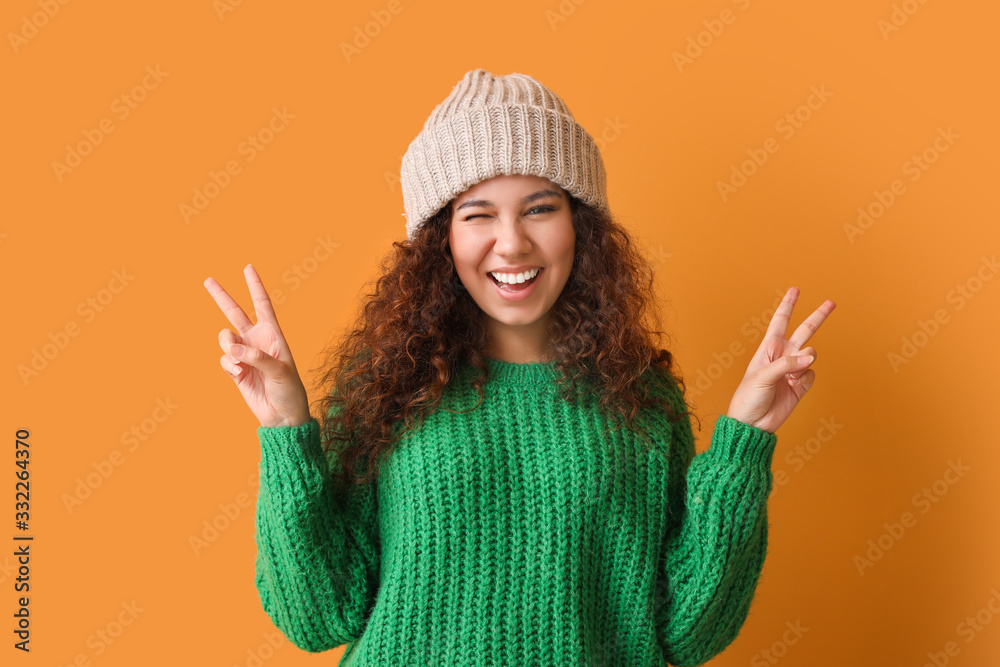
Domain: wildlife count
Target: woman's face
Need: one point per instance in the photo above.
(511, 224)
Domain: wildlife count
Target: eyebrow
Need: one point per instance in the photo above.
(530, 198)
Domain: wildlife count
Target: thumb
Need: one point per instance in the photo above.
(269, 366)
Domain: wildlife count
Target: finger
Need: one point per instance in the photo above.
(228, 337)
(805, 330)
(232, 310)
(262, 361)
(805, 381)
(261, 301)
(798, 369)
(233, 370)
(779, 321)
(782, 367)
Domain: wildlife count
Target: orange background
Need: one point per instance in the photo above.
(328, 178)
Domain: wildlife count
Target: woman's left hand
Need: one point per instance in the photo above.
(775, 381)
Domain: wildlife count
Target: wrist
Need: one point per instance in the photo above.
(291, 421)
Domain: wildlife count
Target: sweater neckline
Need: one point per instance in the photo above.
(510, 373)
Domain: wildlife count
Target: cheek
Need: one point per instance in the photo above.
(565, 257)
(563, 243)
(459, 254)
(466, 265)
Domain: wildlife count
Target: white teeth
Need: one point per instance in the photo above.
(510, 278)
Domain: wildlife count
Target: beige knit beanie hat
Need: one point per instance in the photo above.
(491, 125)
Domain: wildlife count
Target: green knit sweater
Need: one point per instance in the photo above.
(529, 531)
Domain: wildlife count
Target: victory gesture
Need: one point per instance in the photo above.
(779, 374)
(257, 357)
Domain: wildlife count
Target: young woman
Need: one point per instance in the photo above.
(505, 473)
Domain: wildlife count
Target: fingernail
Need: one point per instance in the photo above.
(236, 351)
(805, 361)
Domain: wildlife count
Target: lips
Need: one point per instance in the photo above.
(518, 292)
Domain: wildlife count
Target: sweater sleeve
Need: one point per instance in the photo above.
(318, 553)
(716, 545)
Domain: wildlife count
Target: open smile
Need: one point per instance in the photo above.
(516, 291)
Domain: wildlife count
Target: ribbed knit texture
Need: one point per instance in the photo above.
(529, 531)
(491, 125)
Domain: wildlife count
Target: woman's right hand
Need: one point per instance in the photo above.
(265, 371)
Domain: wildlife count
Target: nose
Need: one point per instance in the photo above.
(511, 238)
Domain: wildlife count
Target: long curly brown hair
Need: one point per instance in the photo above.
(420, 323)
